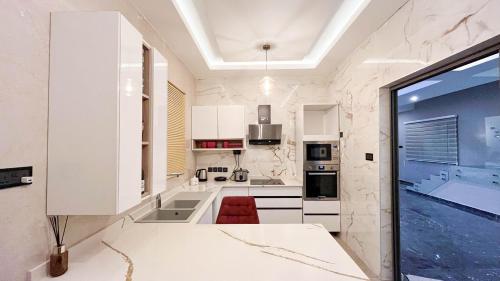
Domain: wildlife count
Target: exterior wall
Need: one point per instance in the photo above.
(424, 31)
(25, 239)
(472, 106)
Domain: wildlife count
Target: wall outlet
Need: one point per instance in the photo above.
(12, 177)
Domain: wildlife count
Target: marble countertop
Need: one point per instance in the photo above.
(189, 251)
(159, 251)
(229, 183)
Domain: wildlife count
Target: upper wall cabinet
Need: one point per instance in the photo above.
(231, 121)
(159, 98)
(204, 122)
(95, 108)
(218, 127)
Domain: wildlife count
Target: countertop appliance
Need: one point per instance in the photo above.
(264, 132)
(321, 170)
(220, 178)
(201, 174)
(240, 175)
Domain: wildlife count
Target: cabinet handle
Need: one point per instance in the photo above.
(494, 182)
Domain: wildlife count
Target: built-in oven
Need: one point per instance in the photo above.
(321, 182)
(321, 152)
(321, 170)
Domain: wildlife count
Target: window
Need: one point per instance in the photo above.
(176, 142)
(432, 140)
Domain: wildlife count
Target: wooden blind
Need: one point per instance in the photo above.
(176, 141)
(433, 140)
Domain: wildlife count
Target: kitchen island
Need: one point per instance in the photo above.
(128, 250)
(161, 251)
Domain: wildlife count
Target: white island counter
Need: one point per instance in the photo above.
(128, 250)
(160, 251)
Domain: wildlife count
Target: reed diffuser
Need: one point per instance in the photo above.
(59, 258)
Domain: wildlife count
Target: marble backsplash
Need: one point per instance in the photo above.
(285, 96)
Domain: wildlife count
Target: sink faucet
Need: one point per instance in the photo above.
(158, 201)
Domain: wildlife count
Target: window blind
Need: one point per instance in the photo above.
(176, 141)
(433, 140)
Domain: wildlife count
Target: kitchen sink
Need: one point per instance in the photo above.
(181, 204)
(163, 215)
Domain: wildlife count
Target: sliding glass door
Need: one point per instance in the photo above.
(447, 187)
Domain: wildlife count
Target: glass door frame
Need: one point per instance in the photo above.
(471, 54)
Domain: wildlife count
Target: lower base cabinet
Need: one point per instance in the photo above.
(207, 217)
(330, 222)
(278, 216)
(326, 213)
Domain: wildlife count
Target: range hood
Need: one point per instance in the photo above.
(264, 133)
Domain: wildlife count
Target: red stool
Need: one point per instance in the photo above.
(238, 210)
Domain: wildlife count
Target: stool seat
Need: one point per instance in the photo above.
(238, 210)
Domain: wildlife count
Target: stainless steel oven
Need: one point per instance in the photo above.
(321, 152)
(322, 182)
(321, 170)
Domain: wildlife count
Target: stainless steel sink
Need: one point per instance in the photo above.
(162, 215)
(181, 204)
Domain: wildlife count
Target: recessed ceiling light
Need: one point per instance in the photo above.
(414, 98)
(478, 62)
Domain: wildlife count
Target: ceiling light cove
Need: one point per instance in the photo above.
(195, 21)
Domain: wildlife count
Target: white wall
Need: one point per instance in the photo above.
(422, 30)
(25, 239)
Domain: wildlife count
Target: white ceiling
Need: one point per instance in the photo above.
(292, 31)
(234, 29)
(461, 78)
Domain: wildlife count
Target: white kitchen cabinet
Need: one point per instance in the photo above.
(280, 216)
(204, 122)
(94, 130)
(159, 123)
(218, 122)
(330, 222)
(207, 217)
(278, 204)
(231, 121)
(326, 213)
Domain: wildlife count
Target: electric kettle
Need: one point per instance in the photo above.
(201, 174)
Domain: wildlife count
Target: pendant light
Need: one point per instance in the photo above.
(266, 83)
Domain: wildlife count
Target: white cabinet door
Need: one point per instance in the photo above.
(231, 121)
(130, 122)
(277, 216)
(94, 143)
(321, 207)
(159, 123)
(204, 122)
(330, 222)
(207, 217)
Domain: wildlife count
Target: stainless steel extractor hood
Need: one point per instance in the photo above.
(264, 132)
